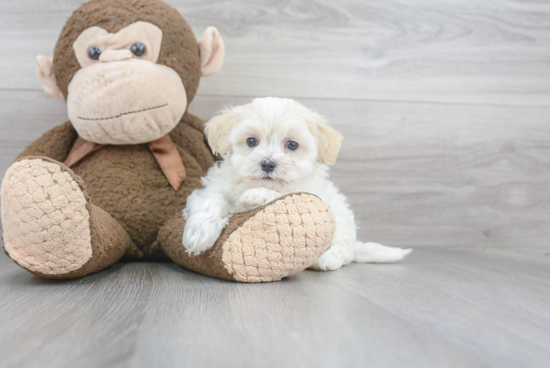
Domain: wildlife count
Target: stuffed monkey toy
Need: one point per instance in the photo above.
(112, 182)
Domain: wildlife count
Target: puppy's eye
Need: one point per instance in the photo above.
(291, 145)
(252, 142)
(138, 49)
(94, 52)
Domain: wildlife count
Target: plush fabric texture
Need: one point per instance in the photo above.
(179, 50)
(163, 149)
(169, 243)
(169, 160)
(44, 72)
(47, 225)
(280, 240)
(128, 183)
(212, 51)
(147, 33)
(51, 228)
(55, 144)
(109, 243)
(83, 150)
(107, 104)
(272, 242)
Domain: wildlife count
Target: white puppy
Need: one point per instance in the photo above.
(271, 147)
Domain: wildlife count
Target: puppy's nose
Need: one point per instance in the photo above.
(268, 165)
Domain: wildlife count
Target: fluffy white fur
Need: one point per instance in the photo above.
(238, 183)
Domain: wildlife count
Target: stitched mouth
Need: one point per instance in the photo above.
(125, 113)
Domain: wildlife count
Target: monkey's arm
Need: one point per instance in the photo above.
(56, 143)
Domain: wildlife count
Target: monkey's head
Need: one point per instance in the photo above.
(128, 69)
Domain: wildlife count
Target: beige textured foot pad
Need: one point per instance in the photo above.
(45, 218)
(272, 242)
(282, 239)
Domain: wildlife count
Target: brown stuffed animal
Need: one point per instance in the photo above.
(113, 181)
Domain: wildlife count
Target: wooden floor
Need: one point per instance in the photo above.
(445, 106)
(443, 307)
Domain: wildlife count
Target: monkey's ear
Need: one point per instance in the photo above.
(44, 71)
(218, 129)
(328, 139)
(212, 51)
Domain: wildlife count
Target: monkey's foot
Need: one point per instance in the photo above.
(274, 241)
(50, 227)
(45, 218)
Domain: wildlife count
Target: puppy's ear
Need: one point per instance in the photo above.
(217, 131)
(328, 139)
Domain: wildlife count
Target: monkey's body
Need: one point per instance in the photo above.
(127, 182)
(62, 222)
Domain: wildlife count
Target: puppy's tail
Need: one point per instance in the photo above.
(378, 253)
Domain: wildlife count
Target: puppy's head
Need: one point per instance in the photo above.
(273, 142)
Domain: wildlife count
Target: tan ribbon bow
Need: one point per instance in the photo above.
(163, 149)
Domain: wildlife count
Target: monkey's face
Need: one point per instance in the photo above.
(121, 95)
(128, 69)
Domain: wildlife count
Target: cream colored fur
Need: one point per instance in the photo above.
(46, 223)
(238, 183)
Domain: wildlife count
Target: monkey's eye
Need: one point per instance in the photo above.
(252, 142)
(138, 49)
(94, 52)
(291, 145)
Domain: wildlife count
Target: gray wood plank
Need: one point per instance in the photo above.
(475, 298)
(493, 52)
(442, 307)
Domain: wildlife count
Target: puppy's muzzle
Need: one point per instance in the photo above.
(268, 165)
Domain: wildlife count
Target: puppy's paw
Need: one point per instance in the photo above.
(256, 197)
(200, 234)
(332, 259)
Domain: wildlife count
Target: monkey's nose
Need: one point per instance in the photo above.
(268, 165)
(115, 55)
